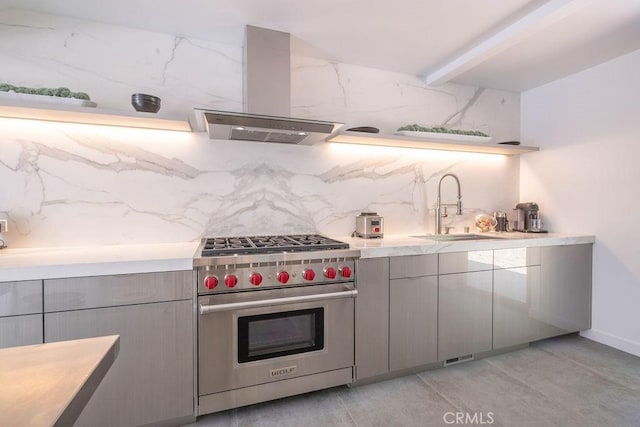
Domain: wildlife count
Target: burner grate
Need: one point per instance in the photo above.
(269, 244)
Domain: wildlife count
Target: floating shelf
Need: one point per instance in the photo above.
(428, 143)
(87, 115)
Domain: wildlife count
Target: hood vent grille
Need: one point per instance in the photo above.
(266, 136)
(227, 125)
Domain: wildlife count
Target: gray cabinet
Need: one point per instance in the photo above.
(518, 302)
(20, 313)
(418, 309)
(540, 301)
(464, 313)
(20, 330)
(152, 379)
(517, 297)
(372, 318)
(413, 320)
(402, 267)
(464, 262)
(110, 291)
(565, 280)
(413, 311)
(516, 257)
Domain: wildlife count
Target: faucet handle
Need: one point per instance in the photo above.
(447, 229)
(444, 213)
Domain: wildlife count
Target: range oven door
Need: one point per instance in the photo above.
(257, 337)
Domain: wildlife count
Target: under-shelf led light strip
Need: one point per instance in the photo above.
(95, 117)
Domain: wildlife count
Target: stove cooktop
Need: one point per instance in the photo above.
(216, 246)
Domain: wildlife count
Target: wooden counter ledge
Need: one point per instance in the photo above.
(49, 384)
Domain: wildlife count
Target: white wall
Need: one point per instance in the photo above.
(66, 184)
(586, 179)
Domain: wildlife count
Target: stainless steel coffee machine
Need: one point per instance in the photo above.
(526, 218)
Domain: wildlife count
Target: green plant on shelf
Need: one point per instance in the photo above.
(418, 128)
(61, 92)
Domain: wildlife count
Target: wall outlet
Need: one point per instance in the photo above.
(4, 226)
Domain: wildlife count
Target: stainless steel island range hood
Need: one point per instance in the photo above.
(267, 98)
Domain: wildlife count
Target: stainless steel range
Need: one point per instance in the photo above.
(275, 318)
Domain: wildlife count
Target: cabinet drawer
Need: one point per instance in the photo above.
(108, 291)
(413, 266)
(20, 298)
(464, 262)
(20, 330)
(516, 257)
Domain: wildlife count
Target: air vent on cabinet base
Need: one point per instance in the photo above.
(457, 360)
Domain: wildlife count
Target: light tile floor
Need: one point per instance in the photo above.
(566, 381)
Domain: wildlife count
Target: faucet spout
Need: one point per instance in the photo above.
(440, 205)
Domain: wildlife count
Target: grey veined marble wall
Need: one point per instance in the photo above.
(72, 184)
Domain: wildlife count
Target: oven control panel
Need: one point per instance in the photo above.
(228, 278)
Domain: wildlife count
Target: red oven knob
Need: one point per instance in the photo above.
(283, 277)
(345, 271)
(308, 274)
(255, 279)
(330, 273)
(210, 282)
(231, 280)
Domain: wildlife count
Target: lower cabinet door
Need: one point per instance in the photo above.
(152, 377)
(413, 322)
(372, 318)
(554, 298)
(521, 307)
(20, 330)
(464, 314)
(565, 279)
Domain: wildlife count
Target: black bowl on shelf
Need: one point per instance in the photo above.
(145, 103)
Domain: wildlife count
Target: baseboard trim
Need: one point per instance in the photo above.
(619, 343)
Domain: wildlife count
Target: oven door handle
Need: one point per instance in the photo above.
(207, 309)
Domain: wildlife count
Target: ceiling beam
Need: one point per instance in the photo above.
(542, 17)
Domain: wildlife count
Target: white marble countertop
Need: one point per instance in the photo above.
(392, 245)
(49, 384)
(50, 263)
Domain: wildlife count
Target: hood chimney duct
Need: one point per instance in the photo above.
(267, 72)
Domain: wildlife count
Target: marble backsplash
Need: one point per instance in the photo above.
(72, 184)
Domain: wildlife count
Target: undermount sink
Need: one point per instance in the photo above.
(454, 237)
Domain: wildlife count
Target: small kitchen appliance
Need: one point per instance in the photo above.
(526, 218)
(275, 317)
(369, 225)
(501, 220)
